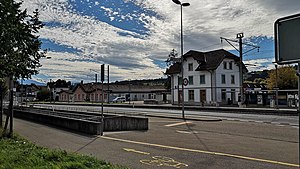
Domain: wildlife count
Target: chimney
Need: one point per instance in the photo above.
(81, 82)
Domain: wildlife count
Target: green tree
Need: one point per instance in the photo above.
(19, 44)
(43, 95)
(20, 47)
(3, 93)
(287, 78)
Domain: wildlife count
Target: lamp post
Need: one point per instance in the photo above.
(181, 36)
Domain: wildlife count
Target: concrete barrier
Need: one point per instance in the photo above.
(85, 126)
(121, 123)
(89, 123)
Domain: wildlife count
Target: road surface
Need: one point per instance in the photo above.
(175, 143)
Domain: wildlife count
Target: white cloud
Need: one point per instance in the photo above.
(204, 23)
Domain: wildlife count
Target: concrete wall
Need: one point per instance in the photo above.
(89, 127)
(122, 123)
(111, 123)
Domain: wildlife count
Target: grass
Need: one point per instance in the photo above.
(18, 153)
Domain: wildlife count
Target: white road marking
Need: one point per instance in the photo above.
(177, 124)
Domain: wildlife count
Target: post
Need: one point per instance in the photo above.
(11, 102)
(96, 80)
(102, 117)
(276, 71)
(108, 92)
(298, 107)
(182, 59)
(1, 107)
(22, 92)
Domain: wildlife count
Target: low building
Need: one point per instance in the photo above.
(92, 92)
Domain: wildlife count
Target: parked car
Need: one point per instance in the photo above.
(119, 99)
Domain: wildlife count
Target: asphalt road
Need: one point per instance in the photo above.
(174, 143)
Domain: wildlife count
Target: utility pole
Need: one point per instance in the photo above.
(240, 37)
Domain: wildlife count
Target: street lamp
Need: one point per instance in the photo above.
(181, 35)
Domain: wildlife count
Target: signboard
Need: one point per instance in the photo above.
(287, 39)
(185, 81)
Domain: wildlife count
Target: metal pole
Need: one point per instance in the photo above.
(22, 92)
(11, 102)
(240, 36)
(102, 117)
(108, 96)
(96, 80)
(298, 107)
(182, 86)
(276, 85)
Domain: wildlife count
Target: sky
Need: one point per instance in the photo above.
(135, 37)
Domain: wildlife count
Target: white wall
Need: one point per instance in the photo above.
(228, 85)
(215, 81)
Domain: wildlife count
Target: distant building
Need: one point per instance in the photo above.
(213, 78)
(93, 92)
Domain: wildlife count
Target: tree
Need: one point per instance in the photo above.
(3, 93)
(287, 78)
(19, 45)
(43, 95)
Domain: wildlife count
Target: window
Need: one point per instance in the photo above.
(179, 80)
(191, 80)
(190, 68)
(191, 95)
(223, 94)
(230, 65)
(202, 79)
(223, 79)
(225, 65)
(232, 79)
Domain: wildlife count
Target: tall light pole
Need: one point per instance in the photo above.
(181, 36)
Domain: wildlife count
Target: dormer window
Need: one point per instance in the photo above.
(225, 65)
(190, 68)
(230, 65)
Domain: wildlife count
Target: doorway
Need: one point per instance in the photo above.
(202, 96)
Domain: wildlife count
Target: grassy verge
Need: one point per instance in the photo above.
(18, 153)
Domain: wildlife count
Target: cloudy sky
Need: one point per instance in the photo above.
(135, 37)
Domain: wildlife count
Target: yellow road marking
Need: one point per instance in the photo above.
(177, 124)
(135, 151)
(202, 151)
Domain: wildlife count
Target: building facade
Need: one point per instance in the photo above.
(213, 78)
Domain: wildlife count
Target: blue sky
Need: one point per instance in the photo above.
(135, 36)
